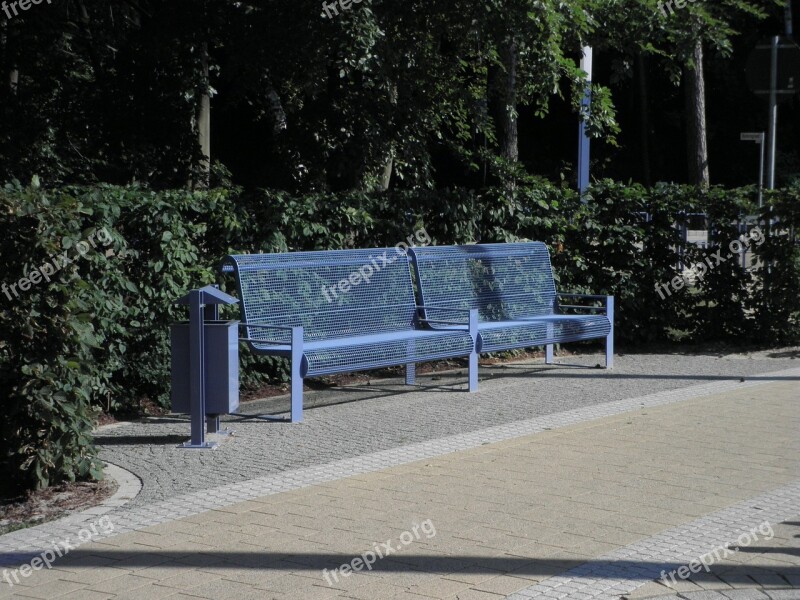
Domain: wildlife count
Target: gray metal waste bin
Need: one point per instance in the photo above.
(221, 367)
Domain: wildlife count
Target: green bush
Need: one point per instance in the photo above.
(95, 336)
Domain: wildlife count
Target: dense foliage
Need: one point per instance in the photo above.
(404, 93)
(93, 335)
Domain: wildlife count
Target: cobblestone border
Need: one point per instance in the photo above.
(626, 569)
(749, 594)
(17, 546)
(128, 486)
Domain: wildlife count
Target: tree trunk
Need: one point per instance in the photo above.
(13, 73)
(644, 119)
(85, 25)
(695, 91)
(503, 101)
(386, 176)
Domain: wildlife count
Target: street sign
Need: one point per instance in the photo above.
(758, 138)
(758, 69)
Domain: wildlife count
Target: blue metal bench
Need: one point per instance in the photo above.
(341, 311)
(512, 287)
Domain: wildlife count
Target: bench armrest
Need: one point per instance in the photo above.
(607, 301)
(465, 311)
(262, 326)
(429, 306)
(288, 328)
(442, 322)
(586, 296)
(471, 323)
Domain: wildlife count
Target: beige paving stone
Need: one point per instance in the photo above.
(533, 571)
(121, 584)
(148, 592)
(94, 561)
(41, 577)
(314, 592)
(503, 584)
(84, 594)
(144, 561)
(5, 590)
(402, 576)
(94, 575)
(476, 595)
(230, 590)
(404, 595)
(474, 575)
(51, 589)
(287, 583)
(180, 596)
(536, 551)
(440, 588)
(162, 570)
(188, 579)
(374, 587)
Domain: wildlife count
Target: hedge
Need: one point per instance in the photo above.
(93, 335)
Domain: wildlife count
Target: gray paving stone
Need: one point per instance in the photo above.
(704, 595)
(783, 594)
(750, 594)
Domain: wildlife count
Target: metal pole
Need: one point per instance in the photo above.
(773, 113)
(584, 154)
(196, 369)
(761, 172)
(789, 28)
(197, 372)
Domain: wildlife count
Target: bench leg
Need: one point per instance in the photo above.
(411, 368)
(610, 337)
(473, 356)
(473, 372)
(548, 354)
(297, 378)
(411, 373)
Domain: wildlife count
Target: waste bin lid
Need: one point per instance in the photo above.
(211, 295)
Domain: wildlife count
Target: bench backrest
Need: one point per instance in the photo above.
(303, 289)
(503, 281)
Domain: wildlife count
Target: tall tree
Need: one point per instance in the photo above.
(697, 132)
(677, 39)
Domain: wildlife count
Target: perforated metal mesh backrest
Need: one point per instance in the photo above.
(503, 281)
(294, 289)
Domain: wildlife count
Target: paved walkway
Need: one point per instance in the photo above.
(365, 419)
(592, 502)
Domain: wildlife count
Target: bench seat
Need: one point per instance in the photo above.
(554, 329)
(361, 353)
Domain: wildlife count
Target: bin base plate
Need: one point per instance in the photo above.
(205, 446)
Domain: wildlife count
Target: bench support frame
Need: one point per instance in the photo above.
(411, 373)
(610, 336)
(473, 356)
(297, 377)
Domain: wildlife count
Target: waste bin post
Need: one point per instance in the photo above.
(203, 315)
(197, 380)
(211, 313)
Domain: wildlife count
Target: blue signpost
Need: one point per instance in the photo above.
(584, 154)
